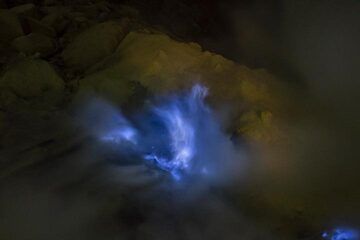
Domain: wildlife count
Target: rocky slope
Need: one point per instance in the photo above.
(55, 53)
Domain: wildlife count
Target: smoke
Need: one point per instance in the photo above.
(178, 134)
(153, 174)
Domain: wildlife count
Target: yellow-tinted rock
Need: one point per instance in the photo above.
(108, 84)
(258, 126)
(93, 45)
(162, 64)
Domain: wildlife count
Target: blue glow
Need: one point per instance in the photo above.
(122, 134)
(176, 133)
(178, 117)
(341, 234)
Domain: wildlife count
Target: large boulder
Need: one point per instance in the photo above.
(56, 18)
(36, 26)
(30, 82)
(161, 64)
(108, 84)
(34, 43)
(93, 45)
(25, 10)
(10, 26)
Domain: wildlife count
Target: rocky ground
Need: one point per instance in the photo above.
(56, 186)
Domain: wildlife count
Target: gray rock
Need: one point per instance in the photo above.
(37, 26)
(28, 10)
(34, 43)
(10, 26)
(30, 82)
(56, 19)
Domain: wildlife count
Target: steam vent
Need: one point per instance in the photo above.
(179, 120)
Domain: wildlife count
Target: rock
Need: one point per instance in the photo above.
(56, 20)
(259, 126)
(57, 17)
(127, 11)
(37, 26)
(30, 82)
(90, 11)
(10, 26)
(28, 10)
(162, 64)
(34, 43)
(107, 84)
(93, 44)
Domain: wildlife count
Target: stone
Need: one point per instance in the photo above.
(93, 44)
(257, 126)
(129, 12)
(57, 21)
(90, 11)
(28, 10)
(30, 82)
(37, 26)
(108, 84)
(162, 64)
(34, 43)
(10, 26)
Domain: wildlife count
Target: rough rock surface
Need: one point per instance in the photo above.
(95, 54)
(94, 44)
(10, 26)
(162, 64)
(28, 10)
(34, 43)
(30, 81)
(37, 26)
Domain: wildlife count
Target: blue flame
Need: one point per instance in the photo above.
(179, 116)
(177, 133)
(341, 234)
(120, 135)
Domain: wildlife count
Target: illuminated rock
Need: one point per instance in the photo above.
(258, 125)
(162, 64)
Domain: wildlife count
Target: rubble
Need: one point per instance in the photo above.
(93, 44)
(30, 83)
(10, 26)
(34, 43)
